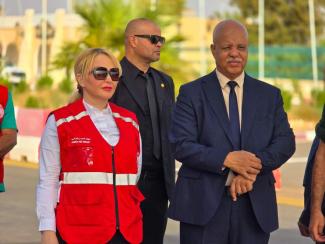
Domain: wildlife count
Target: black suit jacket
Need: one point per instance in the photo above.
(127, 97)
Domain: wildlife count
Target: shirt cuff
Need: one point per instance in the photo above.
(47, 224)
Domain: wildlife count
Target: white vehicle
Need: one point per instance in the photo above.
(14, 74)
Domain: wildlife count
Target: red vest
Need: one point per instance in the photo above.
(3, 104)
(98, 182)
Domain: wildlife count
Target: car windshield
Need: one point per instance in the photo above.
(19, 74)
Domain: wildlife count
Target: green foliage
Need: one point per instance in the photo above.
(65, 58)
(318, 97)
(32, 102)
(104, 25)
(21, 87)
(286, 21)
(5, 82)
(66, 86)
(45, 82)
(287, 97)
(297, 89)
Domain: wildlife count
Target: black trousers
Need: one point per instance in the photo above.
(117, 239)
(154, 207)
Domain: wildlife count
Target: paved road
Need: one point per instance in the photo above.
(18, 223)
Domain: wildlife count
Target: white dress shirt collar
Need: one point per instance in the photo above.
(223, 80)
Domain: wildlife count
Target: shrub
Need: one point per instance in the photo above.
(66, 86)
(21, 87)
(44, 82)
(5, 82)
(287, 97)
(32, 102)
(318, 97)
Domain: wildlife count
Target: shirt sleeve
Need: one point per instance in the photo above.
(320, 127)
(47, 190)
(9, 121)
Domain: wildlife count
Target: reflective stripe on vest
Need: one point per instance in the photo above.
(98, 178)
(126, 119)
(70, 118)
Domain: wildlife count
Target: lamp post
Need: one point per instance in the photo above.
(203, 58)
(313, 40)
(44, 38)
(261, 44)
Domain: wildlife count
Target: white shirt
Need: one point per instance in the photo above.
(223, 80)
(48, 188)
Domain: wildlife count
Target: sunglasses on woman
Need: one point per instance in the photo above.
(101, 73)
(154, 39)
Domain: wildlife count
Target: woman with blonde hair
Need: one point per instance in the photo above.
(90, 161)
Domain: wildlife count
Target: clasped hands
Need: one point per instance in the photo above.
(247, 166)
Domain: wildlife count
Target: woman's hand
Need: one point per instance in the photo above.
(49, 237)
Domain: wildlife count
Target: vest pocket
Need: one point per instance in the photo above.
(86, 206)
(86, 215)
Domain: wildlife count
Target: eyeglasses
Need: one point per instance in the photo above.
(101, 73)
(154, 39)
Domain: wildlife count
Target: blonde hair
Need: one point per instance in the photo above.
(84, 62)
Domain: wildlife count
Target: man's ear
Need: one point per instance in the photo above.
(132, 40)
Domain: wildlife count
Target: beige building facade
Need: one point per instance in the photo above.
(21, 41)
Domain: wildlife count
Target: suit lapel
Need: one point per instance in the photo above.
(128, 79)
(212, 90)
(159, 86)
(250, 99)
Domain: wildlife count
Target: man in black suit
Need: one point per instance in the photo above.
(149, 93)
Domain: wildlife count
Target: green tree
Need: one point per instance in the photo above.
(104, 24)
(65, 58)
(286, 21)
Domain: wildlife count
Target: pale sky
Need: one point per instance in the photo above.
(211, 6)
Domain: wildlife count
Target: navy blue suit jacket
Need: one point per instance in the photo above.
(201, 136)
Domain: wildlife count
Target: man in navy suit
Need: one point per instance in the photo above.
(229, 131)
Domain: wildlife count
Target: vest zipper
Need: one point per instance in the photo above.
(115, 190)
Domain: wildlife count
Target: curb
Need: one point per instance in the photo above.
(304, 136)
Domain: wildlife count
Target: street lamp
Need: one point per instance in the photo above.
(313, 40)
(44, 36)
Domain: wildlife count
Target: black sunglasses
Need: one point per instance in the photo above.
(154, 39)
(101, 73)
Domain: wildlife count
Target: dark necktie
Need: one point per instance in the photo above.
(154, 116)
(234, 116)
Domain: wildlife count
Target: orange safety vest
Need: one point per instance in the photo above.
(3, 104)
(98, 192)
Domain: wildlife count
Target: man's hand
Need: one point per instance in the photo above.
(240, 185)
(8, 140)
(316, 226)
(243, 163)
(49, 237)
